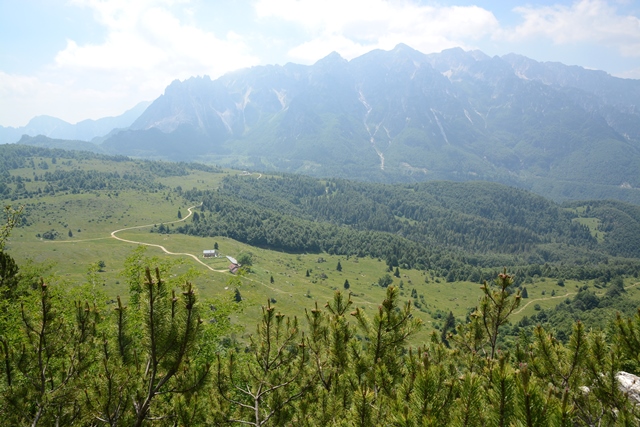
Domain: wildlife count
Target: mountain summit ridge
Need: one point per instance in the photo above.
(400, 115)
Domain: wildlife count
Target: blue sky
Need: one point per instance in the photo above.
(79, 59)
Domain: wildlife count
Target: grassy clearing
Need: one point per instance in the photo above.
(92, 217)
(292, 290)
(593, 225)
(97, 215)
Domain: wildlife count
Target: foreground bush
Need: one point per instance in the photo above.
(157, 363)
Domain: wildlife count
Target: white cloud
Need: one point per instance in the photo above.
(145, 48)
(629, 74)
(16, 84)
(148, 43)
(358, 26)
(593, 21)
(71, 99)
(22, 95)
(147, 36)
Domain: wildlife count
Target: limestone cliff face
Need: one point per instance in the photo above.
(401, 115)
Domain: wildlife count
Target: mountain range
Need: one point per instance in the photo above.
(86, 130)
(400, 115)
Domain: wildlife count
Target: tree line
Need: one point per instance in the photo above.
(457, 230)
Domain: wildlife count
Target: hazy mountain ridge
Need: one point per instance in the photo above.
(401, 115)
(63, 144)
(615, 99)
(85, 130)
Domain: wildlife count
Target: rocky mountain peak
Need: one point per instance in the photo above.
(402, 115)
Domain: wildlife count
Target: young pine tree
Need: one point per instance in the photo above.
(496, 305)
(145, 365)
(328, 344)
(44, 359)
(261, 386)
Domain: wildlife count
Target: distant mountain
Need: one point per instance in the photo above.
(400, 115)
(63, 144)
(85, 130)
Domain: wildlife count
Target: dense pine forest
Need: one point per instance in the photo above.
(452, 228)
(162, 353)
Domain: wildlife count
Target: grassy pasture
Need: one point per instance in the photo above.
(93, 215)
(292, 290)
(96, 215)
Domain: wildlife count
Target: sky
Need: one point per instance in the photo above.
(86, 59)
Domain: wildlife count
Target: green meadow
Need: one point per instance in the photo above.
(92, 218)
(83, 223)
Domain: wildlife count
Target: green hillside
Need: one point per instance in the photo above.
(368, 299)
(440, 238)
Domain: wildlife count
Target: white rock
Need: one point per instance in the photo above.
(629, 384)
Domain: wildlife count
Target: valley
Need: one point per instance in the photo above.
(162, 211)
(397, 116)
(277, 213)
(408, 261)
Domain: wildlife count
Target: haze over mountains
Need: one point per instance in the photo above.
(400, 115)
(85, 130)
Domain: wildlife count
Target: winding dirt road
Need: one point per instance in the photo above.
(282, 291)
(113, 234)
(543, 299)
(561, 296)
(166, 251)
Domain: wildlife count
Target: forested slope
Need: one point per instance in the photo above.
(71, 355)
(438, 225)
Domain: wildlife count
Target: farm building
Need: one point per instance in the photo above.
(210, 253)
(234, 266)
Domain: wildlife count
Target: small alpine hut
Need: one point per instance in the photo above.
(210, 253)
(234, 266)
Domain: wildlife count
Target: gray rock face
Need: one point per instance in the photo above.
(401, 115)
(630, 385)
